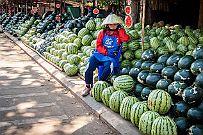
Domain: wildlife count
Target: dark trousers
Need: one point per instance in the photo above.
(92, 65)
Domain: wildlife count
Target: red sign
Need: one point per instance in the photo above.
(128, 21)
(58, 18)
(128, 10)
(96, 11)
(32, 12)
(58, 5)
(128, 2)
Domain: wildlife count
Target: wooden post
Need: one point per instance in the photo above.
(200, 23)
(143, 22)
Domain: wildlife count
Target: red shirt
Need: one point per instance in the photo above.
(120, 34)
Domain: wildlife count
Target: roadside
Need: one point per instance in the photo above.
(33, 103)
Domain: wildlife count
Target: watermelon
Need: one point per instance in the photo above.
(156, 67)
(72, 48)
(87, 39)
(97, 90)
(199, 80)
(185, 62)
(145, 93)
(169, 72)
(159, 101)
(74, 59)
(182, 125)
(106, 93)
(126, 105)
(90, 25)
(173, 60)
(197, 67)
(155, 42)
(175, 89)
(142, 76)
(192, 95)
(116, 99)
(137, 110)
(146, 121)
(198, 53)
(123, 82)
(134, 72)
(133, 34)
(70, 69)
(78, 42)
(138, 89)
(134, 45)
(62, 63)
(195, 130)
(184, 75)
(148, 55)
(180, 109)
(195, 115)
(163, 84)
(184, 41)
(83, 32)
(128, 55)
(163, 58)
(164, 125)
(138, 53)
(152, 79)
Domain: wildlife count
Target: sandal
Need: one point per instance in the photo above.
(86, 91)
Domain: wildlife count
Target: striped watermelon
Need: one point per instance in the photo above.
(78, 42)
(87, 39)
(83, 32)
(146, 121)
(106, 93)
(123, 82)
(164, 126)
(159, 101)
(155, 42)
(136, 112)
(71, 38)
(184, 40)
(126, 105)
(70, 69)
(97, 90)
(72, 48)
(90, 25)
(62, 63)
(116, 99)
(74, 59)
(134, 45)
(129, 55)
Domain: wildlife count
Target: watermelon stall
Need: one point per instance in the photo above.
(157, 89)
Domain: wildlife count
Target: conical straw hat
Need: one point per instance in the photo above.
(112, 19)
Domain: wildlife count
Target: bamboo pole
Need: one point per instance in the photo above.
(143, 22)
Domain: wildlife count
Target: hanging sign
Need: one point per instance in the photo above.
(58, 18)
(129, 2)
(128, 10)
(128, 21)
(32, 12)
(58, 5)
(96, 11)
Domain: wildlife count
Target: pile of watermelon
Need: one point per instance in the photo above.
(160, 90)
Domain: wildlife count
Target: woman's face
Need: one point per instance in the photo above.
(112, 26)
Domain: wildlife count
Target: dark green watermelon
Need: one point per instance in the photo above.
(199, 80)
(195, 130)
(134, 72)
(146, 65)
(163, 84)
(195, 115)
(182, 125)
(169, 72)
(142, 76)
(163, 58)
(192, 95)
(197, 67)
(184, 75)
(175, 89)
(185, 62)
(125, 71)
(156, 67)
(180, 109)
(173, 60)
(148, 55)
(145, 93)
(138, 64)
(200, 106)
(138, 88)
(152, 79)
(198, 53)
